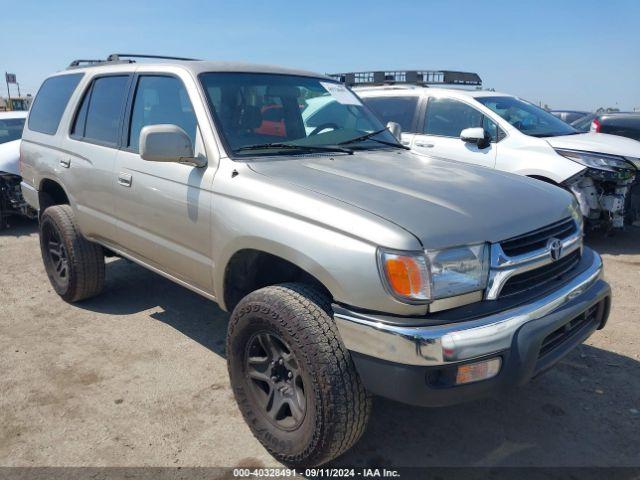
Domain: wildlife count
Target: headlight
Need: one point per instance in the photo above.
(576, 214)
(421, 277)
(601, 161)
(635, 161)
(455, 271)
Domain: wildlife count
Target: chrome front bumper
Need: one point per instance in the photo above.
(455, 342)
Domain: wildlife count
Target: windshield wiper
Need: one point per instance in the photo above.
(370, 135)
(291, 146)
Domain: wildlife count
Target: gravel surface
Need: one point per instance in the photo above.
(137, 377)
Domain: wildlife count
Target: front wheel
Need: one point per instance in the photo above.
(293, 379)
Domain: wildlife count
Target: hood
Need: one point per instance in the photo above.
(10, 157)
(598, 143)
(442, 203)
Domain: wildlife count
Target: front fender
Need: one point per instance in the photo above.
(345, 265)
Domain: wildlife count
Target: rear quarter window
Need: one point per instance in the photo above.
(52, 99)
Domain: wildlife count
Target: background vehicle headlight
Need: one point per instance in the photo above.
(459, 270)
(421, 277)
(600, 161)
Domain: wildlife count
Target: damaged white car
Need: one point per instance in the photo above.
(11, 200)
(504, 132)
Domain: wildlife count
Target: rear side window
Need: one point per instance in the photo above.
(100, 113)
(394, 109)
(161, 100)
(52, 99)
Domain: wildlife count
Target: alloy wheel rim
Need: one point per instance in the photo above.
(57, 254)
(274, 378)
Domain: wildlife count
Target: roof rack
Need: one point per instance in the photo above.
(116, 58)
(409, 77)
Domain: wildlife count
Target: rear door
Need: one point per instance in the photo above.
(92, 146)
(164, 209)
(402, 109)
(440, 128)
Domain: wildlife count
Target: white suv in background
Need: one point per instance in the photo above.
(504, 132)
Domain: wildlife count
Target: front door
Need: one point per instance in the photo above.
(164, 209)
(444, 119)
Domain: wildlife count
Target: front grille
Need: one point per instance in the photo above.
(540, 276)
(568, 330)
(538, 238)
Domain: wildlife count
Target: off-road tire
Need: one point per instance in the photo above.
(337, 404)
(85, 259)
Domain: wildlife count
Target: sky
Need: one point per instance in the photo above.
(564, 53)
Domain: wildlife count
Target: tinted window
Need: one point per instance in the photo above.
(161, 100)
(104, 109)
(447, 117)
(11, 129)
(49, 105)
(81, 116)
(394, 109)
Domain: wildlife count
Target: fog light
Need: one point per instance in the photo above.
(474, 372)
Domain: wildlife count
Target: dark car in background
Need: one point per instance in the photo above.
(568, 116)
(623, 124)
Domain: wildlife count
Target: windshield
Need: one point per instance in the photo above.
(285, 114)
(11, 129)
(584, 124)
(526, 117)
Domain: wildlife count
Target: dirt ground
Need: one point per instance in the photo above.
(137, 377)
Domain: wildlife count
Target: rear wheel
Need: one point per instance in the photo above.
(74, 265)
(293, 379)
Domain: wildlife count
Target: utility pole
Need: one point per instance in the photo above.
(6, 78)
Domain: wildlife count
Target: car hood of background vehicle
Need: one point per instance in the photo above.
(9, 157)
(597, 142)
(442, 203)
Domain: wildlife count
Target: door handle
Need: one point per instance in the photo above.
(124, 179)
(425, 145)
(65, 162)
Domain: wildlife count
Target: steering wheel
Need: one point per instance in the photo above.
(322, 127)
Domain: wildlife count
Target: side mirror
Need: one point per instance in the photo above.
(166, 143)
(476, 135)
(395, 129)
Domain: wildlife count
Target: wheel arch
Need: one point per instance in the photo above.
(248, 268)
(51, 192)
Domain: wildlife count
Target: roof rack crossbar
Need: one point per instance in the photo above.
(408, 77)
(114, 57)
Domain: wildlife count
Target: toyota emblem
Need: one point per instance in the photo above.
(555, 248)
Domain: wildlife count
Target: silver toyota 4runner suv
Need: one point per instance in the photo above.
(351, 266)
